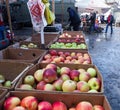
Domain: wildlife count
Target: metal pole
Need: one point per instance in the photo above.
(9, 18)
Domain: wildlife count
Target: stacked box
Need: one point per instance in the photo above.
(3, 92)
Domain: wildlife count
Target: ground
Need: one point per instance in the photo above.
(105, 52)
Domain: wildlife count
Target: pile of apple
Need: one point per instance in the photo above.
(77, 40)
(54, 56)
(66, 35)
(55, 78)
(68, 45)
(27, 46)
(32, 103)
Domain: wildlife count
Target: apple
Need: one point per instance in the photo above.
(52, 66)
(58, 84)
(49, 75)
(84, 105)
(19, 108)
(29, 102)
(72, 108)
(26, 87)
(7, 83)
(65, 77)
(92, 72)
(68, 58)
(49, 87)
(60, 53)
(93, 91)
(74, 75)
(94, 83)
(40, 85)
(68, 86)
(53, 52)
(98, 107)
(47, 56)
(38, 75)
(65, 70)
(57, 60)
(29, 79)
(58, 105)
(73, 54)
(83, 86)
(85, 76)
(67, 54)
(11, 102)
(81, 70)
(44, 105)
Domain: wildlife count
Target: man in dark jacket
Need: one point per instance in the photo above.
(110, 20)
(74, 19)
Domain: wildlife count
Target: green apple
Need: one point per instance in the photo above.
(29, 79)
(92, 72)
(38, 75)
(7, 83)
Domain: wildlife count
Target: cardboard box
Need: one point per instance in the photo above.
(3, 93)
(32, 70)
(66, 50)
(12, 71)
(22, 55)
(68, 99)
(47, 37)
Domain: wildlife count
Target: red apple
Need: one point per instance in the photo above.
(57, 60)
(98, 107)
(38, 75)
(49, 87)
(68, 86)
(60, 53)
(58, 84)
(65, 70)
(40, 85)
(69, 58)
(29, 102)
(11, 102)
(82, 86)
(53, 52)
(74, 75)
(52, 66)
(49, 75)
(84, 105)
(44, 105)
(67, 54)
(72, 108)
(26, 87)
(47, 56)
(65, 77)
(58, 105)
(18, 108)
(85, 76)
(94, 83)
(81, 70)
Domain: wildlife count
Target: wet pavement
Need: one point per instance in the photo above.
(105, 52)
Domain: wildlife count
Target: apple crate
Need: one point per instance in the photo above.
(68, 99)
(22, 55)
(48, 55)
(3, 92)
(38, 66)
(47, 37)
(12, 71)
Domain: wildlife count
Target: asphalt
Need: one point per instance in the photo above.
(105, 52)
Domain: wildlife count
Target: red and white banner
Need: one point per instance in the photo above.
(36, 9)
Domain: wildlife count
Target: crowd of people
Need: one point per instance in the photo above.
(89, 23)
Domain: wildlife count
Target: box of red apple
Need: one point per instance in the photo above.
(17, 100)
(66, 56)
(62, 78)
(10, 72)
(22, 55)
(3, 92)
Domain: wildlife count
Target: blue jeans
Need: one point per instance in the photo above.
(110, 27)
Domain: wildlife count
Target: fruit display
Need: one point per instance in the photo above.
(17, 100)
(71, 35)
(66, 56)
(65, 78)
(68, 45)
(77, 40)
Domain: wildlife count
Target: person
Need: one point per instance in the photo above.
(92, 22)
(110, 20)
(74, 19)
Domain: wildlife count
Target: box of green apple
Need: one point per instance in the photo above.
(62, 78)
